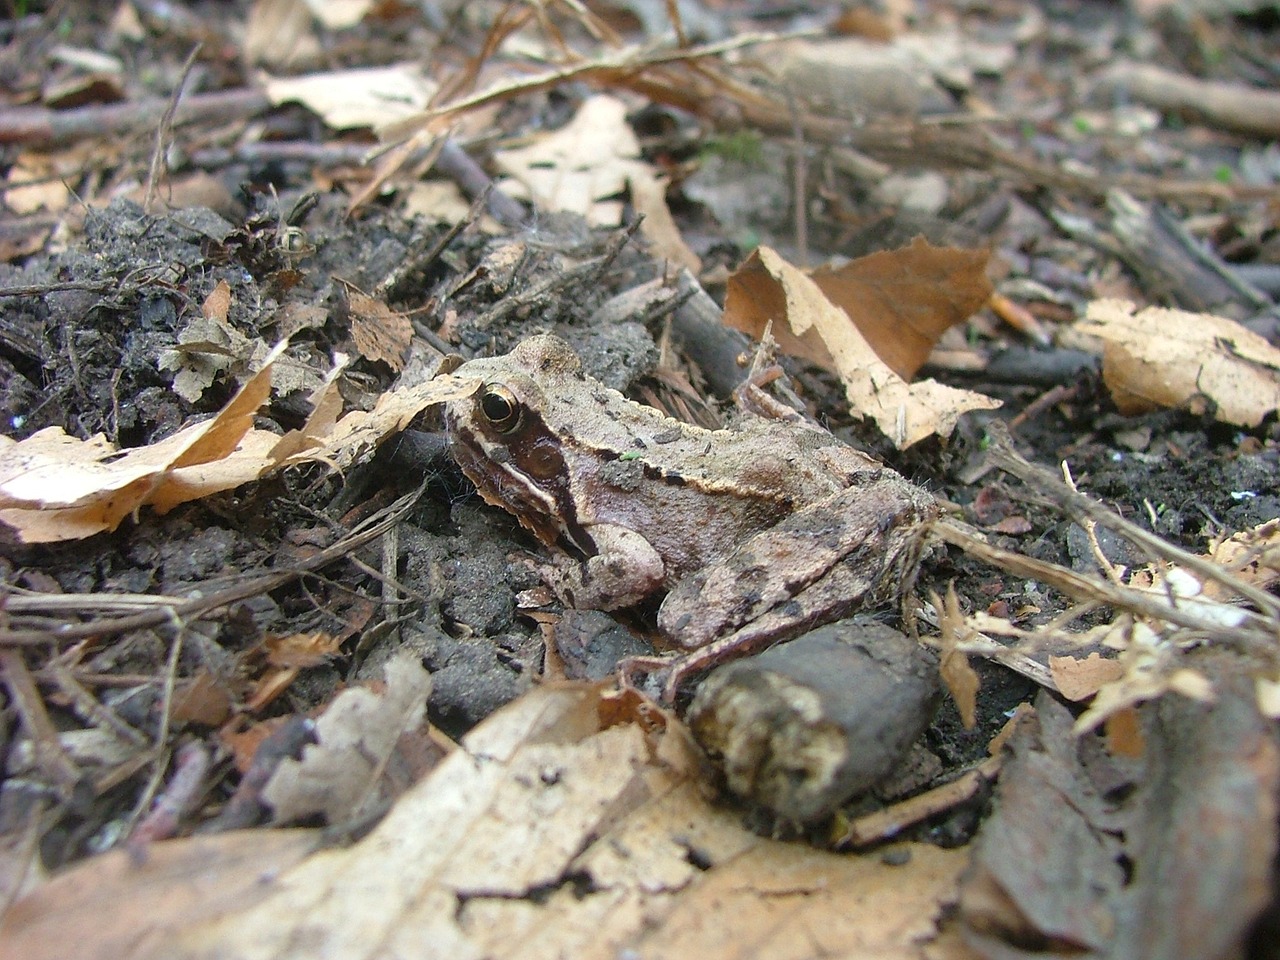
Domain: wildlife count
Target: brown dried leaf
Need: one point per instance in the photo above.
(961, 679)
(903, 300)
(55, 487)
(1166, 358)
(1081, 679)
(206, 699)
(359, 432)
(378, 331)
(176, 883)
(767, 288)
(301, 649)
(217, 304)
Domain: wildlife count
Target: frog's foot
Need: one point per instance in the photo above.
(624, 570)
(644, 674)
(662, 677)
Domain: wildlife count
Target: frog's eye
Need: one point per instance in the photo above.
(500, 407)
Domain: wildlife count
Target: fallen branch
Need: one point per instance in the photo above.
(1231, 106)
(42, 127)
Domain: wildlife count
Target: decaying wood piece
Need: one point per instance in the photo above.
(805, 726)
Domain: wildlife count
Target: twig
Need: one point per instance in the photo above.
(161, 752)
(41, 127)
(50, 755)
(246, 806)
(201, 605)
(455, 163)
(165, 128)
(1086, 588)
(1078, 505)
(888, 823)
(629, 61)
(178, 799)
(1230, 105)
(40, 289)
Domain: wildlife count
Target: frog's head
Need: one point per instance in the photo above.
(509, 446)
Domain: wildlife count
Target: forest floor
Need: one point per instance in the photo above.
(278, 682)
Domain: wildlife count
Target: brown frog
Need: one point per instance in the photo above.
(754, 533)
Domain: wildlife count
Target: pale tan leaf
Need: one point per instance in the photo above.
(35, 183)
(583, 167)
(280, 35)
(554, 833)
(649, 197)
(346, 99)
(340, 14)
(55, 487)
(338, 776)
(1166, 358)
(766, 288)
(360, 432)
(82, 913)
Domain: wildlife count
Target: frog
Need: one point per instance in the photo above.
(743, 536)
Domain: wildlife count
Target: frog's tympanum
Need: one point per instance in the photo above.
(751, 534)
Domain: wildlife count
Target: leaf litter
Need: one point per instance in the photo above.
(594, 836)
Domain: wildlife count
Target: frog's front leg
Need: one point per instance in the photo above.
(624, 570)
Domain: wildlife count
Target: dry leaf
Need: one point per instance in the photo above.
(81, 913)
(286, 657)
(208, 346)
(1150, 670)
(903, 300)
(280, 35)
(1251, 555)
(34, 183)
(1124, 733)
(550, 834)
(360, 432)
(346, 99)
(55, 487)
(584, 167)
(1166, 358)
(378, 331)
(767, 288)
(1081, 679)
(301, 649)
(340, 14)
(326, 408)
(340, 776)
(649, 197)
(959, 677)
